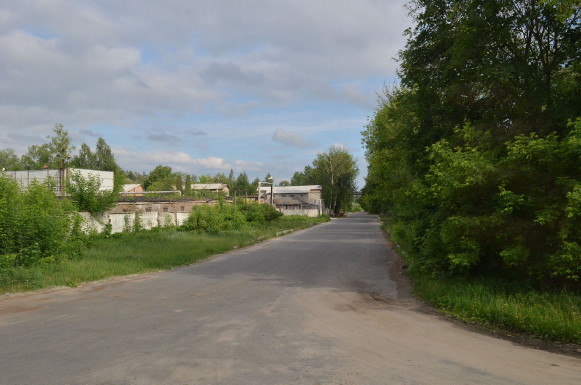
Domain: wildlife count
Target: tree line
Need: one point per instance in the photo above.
(58, 152)
(475, 155)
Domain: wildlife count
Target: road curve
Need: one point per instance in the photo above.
(314, 307)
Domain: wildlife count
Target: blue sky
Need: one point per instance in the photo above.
(202, 86)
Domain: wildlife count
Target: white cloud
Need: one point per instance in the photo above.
(290, 138)
(123, 67)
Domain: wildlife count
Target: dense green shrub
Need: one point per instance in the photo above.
(213, 218)
(34, 225)
(259, 213)
(85, 194)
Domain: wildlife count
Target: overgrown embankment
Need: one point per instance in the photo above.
(475, 157)
(501, 303)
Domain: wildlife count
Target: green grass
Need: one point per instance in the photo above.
(503, 304)
(142, 252)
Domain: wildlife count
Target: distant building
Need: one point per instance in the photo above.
(134, 189)
(25, 178)
(211, 187)
(294, 200)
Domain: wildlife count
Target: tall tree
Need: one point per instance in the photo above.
(188, 185)
(179, 184)
(60, 146)
(242, 185)
(336, 171)
(85, 158)
(231, 181)
(105, 160)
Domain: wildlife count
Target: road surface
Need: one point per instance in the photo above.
(314, 307)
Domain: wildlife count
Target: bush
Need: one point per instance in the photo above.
(34, 224)
(229, 217)
(215, 218)
(86, 196)
(259, 213)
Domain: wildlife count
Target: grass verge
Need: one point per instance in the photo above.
(143, 252)
(507, 305)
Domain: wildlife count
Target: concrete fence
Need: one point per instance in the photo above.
(305, 212)
(122, 221)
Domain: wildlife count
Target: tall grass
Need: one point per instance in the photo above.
(508, 305)
(142, 252)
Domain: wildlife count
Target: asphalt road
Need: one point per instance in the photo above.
(314, 307)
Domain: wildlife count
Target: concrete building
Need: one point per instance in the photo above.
(294, 200)
(59, 177)
(133, 189)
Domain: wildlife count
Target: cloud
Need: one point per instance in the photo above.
(290, 138)
(181, 160)
(177, 136)
(88, 132)
(216, 69)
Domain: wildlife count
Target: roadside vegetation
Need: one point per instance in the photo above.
(42, 244)
(474, 158)
(505, 304)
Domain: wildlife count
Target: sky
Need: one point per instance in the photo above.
(202, 86)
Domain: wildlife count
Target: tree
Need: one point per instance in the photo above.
(336, 171)
(254, 185)
(179, 186)
(60, 146)
(242, 185)
(9, 160)
(473, 157)
(105, 160)
(158, 174)
(284, 183)
(85, 158)
(188, 185)
(38, 157)
(231, 181)
(306, 177)
(86, 195)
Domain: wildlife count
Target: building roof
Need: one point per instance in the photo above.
(291, 189)
(209, 186)
(129, 187)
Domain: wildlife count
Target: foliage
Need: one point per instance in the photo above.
(242, 186)
(86, 196)
(9, 160)
(335, 171)
(162, 175)
(35, 227)
(475, 157)
(132, 253)
(60, 146)
(188, 185)
(259, 212)
(221, 217)
(505, 304)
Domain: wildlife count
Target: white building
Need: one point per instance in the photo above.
(24, 178)
(211, 187)
(294, 200)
